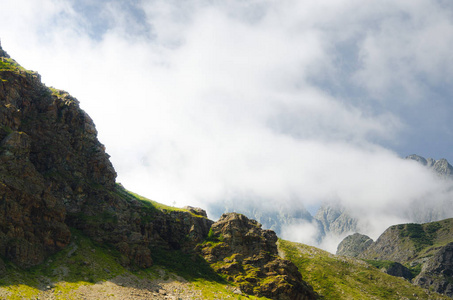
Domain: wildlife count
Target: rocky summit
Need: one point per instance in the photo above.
(238, 248)
(354, 244)
(56, 177)
(441, 167)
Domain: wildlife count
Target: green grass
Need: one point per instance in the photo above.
(337, 277)
(81, 263)
(386, 264)
(417, 234)
(380, 263)
(427, 238)
(84, 262)
(8, 64)
(5, 66)
(213, 238)
(121, 191)
(415, 270)
(190, 266)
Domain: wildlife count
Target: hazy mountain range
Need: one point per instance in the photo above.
(334, 220)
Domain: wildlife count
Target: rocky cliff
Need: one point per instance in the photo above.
(55, 175)
(437, 272)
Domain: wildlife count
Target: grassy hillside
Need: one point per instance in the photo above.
(338, 277)
(428, 237)
(409, 244)
(91, 271)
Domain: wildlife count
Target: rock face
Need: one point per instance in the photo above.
(55, 174)
(32, 217)
(238, 248)
(437, 272)
(354, 244)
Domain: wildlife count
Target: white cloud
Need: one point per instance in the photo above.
(305, 231)
(210, 99)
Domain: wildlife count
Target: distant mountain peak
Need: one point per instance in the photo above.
(418, 158)
(442, 167)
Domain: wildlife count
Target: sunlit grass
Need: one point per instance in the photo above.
(338, 277)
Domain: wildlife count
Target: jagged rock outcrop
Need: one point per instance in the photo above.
(441, 167)
(437, 272)
(238, 248)
(354, 244)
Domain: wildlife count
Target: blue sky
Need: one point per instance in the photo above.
(199, 102)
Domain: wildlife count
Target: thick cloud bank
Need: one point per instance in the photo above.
(293, 102)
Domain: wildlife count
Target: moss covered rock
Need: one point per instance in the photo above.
(244, 253)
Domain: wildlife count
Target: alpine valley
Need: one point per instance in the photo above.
(68, 230)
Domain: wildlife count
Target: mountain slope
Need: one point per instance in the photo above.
(88, 270)
(410, 243)
(339, 277)
(425, 249)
